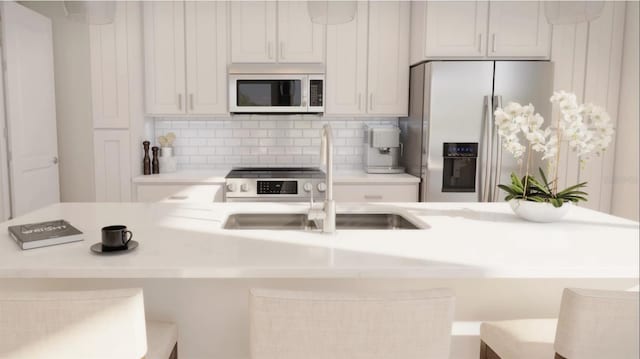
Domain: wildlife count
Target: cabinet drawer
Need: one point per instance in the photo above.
(375, 193)
(179, 193)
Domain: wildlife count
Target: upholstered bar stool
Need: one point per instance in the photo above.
(311, 325)
(593, 324)
(80, 324)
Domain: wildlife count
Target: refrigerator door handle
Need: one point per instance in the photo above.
(485, 161)
(497, 102)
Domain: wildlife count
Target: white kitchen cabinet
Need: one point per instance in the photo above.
(164, 54)
(379, 192)
(206, 60)
(518, 29)
(185, 57)
(479, 30)
(299, 39)
(112, 168)
(448, 29)
(253, 31)
(388, 71)
(109, 72)
(346, 70)
(180, 193)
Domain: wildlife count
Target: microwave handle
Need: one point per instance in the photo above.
(305, 90)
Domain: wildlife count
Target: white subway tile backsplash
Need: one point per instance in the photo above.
(254, 140)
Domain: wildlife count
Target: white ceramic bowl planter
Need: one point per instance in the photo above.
(539, 211)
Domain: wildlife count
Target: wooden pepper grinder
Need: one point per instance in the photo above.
(146, 162)
(155, 164)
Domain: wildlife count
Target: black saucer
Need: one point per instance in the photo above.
(97, 248)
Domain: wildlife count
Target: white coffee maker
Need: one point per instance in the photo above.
(382, 149)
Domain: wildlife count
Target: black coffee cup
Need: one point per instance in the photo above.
(114, 238)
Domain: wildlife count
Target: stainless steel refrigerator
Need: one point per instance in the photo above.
(449, 137)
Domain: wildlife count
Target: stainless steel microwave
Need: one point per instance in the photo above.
(273, 89)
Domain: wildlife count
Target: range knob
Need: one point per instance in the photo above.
(308, 187)
(244, 187)
(322, 187)
(231, 187)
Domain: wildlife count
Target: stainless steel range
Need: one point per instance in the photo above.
(274, 184)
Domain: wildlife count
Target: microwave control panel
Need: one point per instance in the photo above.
(315, 93)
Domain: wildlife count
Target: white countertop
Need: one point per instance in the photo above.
(217, 176)
(464, 240)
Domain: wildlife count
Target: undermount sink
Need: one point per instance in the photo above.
(299, 221)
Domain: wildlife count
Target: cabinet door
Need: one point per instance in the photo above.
(112, 165)
(180, 193)
(518, 29)
(253, 31)
(388, 58)
(206, 43)
(164, 56)
(300, 40)
(109, 72)
(346, 70)
(375, 193)
(455, 28)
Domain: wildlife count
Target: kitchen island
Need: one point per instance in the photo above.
(196, 273)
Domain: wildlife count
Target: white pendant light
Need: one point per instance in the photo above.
(327, 12)
(572, 12)
(91, 12)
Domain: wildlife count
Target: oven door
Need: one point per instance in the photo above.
(268, 93)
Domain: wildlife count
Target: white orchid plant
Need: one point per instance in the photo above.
(585, 128)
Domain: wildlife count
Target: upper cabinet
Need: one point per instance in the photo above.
(346, 70)
(185, 57)
(388, 84)
(479, 29)
(367, 64)
(164, 56)
(518, 29)
(269, 31)
(206, 38)
(299, 39)
(253, 31)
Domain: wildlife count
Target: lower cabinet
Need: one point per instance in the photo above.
(180, 193)
(358, 192)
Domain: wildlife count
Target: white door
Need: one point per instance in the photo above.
(388, 58)
(346, 74)
(300, 40)
(456, 29)
(253, 31)
(164, 56)
(30, 108)
(206, 57)
(518, 29)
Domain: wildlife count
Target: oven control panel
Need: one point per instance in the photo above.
(274, 189)
(277, 187)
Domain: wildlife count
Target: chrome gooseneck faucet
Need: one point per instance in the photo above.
(325, 217)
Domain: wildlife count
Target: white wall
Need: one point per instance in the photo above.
(625, 178)
(73, 102)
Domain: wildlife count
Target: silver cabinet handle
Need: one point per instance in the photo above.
(372, 196)
(359, 101)
(480, 43)
(493, 42)
(282, 50)
(178, 197)
(180, 101)
(269, 50)
(371, 101)
(191, 101)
